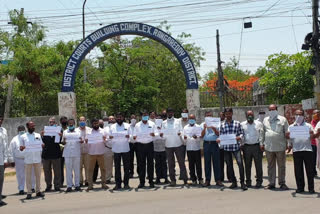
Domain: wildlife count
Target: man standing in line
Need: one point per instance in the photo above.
(119, 136)
(18, 157)
(133, 149)
(314, 143)
(51, 159)
(144, 134)
(108, 155)
(174, 147)
(211, 152)
(84, 159)
(222, 161)
(275, 145)
(64, 126)
(32, 143)
(261, 115)
(252, 140)
(233, 127)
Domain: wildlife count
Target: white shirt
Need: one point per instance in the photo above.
(140, 127)
(192, 144)
(4, 147)
(120, 145)
(72, 148)
(31, 157)
(173, 140)
(84, 132)
(131, 131)
(299, 145)
(15, 147)
(253, 133)
(97, 148)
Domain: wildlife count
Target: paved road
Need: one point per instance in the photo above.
(167, 200)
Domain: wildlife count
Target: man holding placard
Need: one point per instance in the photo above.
(144, 133)
(51, 154)
(174, 147)
(230, 136)
(84, 159)
(32, 143)
(211, 150)
(191, 135)
(119, 136)
(133, 148)
(96, 141)
(300, 134)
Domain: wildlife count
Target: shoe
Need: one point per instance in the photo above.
(28, 196)
(173, 183)
(77, 189)
(89, 188)
(86, 184)
(158, 181)
(126, 187)
(69, 189)
(108, 181)
(166, 181)
(40, 194)
(270, 187)
(312, 191)
(258, 185)
(299, 191)
(201, 182)
(151, 185)
(3, 196)
(284, 187)
(21, 192)
(57, 189)
(33, 191)
(140, 186)
(244, 187)
(219, 183)
(185, 182)
(104, 187)
(206, 184)
(117, 187)
(249, 185)
(81, 185)
(2, 203)
(48, 189)
(194, 183)
(233, 185)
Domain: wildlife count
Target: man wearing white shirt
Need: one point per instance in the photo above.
(72, 152)
(32, 143)
(84, 159)
(174, 147)
(184, 122)
(192, 140)
(5, 157)
(18, 157)
(108, 158)
(252, 140)
(96, 141)
(144, 134)
(133, 149)
(119, 135)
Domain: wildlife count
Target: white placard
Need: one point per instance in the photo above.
(73, 137)
(33, 146)
(212, 121)
(299, 132)
(197, 131)
(227, 139)
(169, 131)
(95, 138)
(119, 135)
(51, 130)
(158, 122)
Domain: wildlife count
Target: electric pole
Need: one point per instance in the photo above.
(220, 74)
(84, 67)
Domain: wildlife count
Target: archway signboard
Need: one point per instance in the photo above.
(125, 28)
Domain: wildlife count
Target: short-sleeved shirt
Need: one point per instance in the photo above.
(299, 145)
(31, 157)
(234, 127)
(120, 145)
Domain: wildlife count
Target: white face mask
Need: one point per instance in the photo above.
(261, 117)
(273, 114)
(299, 119)
(184, 115)
(133, 122)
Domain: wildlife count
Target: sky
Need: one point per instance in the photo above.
(277, 25)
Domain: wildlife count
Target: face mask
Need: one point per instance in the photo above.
(273, 114)
(164, 116)
(261, 117)
(101, 126)
(120, 122)
(299, 119)
(64, 123)
(95, 127)
(145, 118)
(71, 128)
(55, 125)
(31, 130)
(192, 121)
(82, 124)
(184, 115)
(105, 124)
(250, 118)
(21, 132)
(133, 121)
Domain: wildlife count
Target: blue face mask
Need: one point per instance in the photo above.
(82, 124)
(145, 118)
(71, 128)
(21, 132)
(192, 121)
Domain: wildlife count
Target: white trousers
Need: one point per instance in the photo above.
(73, 169)
(20, 174)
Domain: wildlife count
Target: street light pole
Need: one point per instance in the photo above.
(83, 37)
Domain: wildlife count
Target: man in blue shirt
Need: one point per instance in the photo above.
(211, 152)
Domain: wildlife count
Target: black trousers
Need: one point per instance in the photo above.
(222, 163)
(229, 160)
(161, 165)
(252, 152)
(133, 149)
(95, 172)
(145, 158)
(117, 167)
(194, 159)
(314, 159)
(62, 171)
(300, 159)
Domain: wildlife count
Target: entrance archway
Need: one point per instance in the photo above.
(67, 103)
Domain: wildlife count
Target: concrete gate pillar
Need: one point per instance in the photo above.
(193, 101)
(67, 104)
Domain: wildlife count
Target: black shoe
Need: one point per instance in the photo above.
(21, 192)
(173, 183)
(126, 187)
(299, 191)
(233, 185)
(40, 194)
(28, 196)
(77, 189)
(166, 181)
(48, 189)
(244, 187)
(249, 185)
(151, 185)
(206, 184)
(69, 189)
(158, 181)
(284, 187)
(57, 189)
(270, 187)
(140, 186)
(33, 191)
(108, 181)
(89, 188)
(2, 203)
(312, 191)
(258, 185)
(86, 184)
(117, 187)
(3, 196)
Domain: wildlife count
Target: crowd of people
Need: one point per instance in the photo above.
(156, 142)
